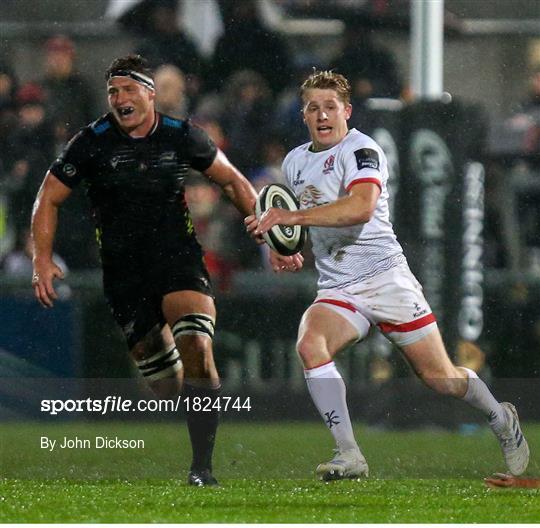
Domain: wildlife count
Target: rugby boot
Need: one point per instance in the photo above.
(346, 464)
(202, 477)
(513, 444)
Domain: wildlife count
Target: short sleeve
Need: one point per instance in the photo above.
(202, 151)
(363, 164)
(285, 170)
(72, 165)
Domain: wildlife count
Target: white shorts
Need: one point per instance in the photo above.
(392, 300)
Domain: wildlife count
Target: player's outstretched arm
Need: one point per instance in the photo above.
(44, 221)
(355, 208)
(234, 184)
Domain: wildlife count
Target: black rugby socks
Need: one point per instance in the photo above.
(202, 421)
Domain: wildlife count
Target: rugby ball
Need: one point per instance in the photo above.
(285, 240)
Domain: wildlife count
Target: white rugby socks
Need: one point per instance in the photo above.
(479, 396)
(327, 390)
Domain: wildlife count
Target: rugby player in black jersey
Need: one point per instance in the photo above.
(133, 162)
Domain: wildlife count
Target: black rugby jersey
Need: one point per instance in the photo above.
(136, 185)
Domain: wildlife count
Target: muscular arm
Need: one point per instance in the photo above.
(44, 220)
(234, 184)
(355, 208)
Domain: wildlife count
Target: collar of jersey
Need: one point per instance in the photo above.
(126, 135)
(310, 149)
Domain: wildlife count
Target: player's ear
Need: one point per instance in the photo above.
(348, 111)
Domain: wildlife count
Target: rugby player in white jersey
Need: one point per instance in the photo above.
(340, 178)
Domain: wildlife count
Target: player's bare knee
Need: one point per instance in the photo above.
(195, 348)
(138, 351)
(150, 345)
(311, 349)
(157, 359)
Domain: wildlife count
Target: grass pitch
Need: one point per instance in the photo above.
(266, 473)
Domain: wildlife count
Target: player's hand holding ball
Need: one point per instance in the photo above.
(281, 263)
(274, 220)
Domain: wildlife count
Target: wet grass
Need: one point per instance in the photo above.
(266, 475)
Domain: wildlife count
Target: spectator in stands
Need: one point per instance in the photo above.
(18, 263)
(8, 122)
(8, 88)
(527, 116)
(273, 153)
(218, 227)
(372, 69)
(69, 99)
(246, 115)
(8, 85)
(214, 130)
(29, 146)
(532, 102)
(171, 98)
(164, 42)
(288, 122)
(70, 105)
(247, 44)
(34, 127)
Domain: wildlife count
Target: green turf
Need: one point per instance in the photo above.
(266, 474)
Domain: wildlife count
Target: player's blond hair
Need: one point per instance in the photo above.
(328, 80)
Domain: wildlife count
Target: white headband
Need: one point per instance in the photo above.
(141, 78)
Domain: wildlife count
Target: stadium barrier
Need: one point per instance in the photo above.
(255, 354)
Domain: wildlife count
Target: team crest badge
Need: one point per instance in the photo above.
(69, 170)
(329, 164)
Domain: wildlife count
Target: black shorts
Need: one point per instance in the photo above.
(135, 291)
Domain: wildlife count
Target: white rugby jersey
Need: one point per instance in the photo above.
(345, 255)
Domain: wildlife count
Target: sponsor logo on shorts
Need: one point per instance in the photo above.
(419, 310)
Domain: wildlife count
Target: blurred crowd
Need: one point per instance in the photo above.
(245, 96)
